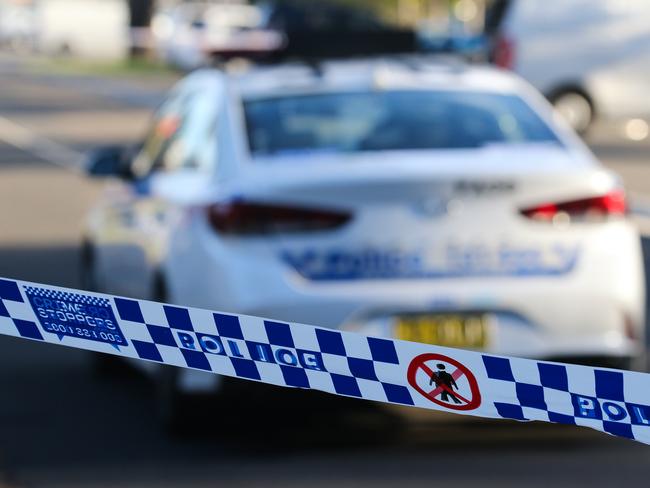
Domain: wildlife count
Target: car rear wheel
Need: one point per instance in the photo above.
(101, 365)
(87, 279)
(173, 407)
(576, 109)
(176, 407)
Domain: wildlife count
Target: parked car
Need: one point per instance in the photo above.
(320, 29)
(190, 34)
(403, 197)
(197, 34)
(591, 58)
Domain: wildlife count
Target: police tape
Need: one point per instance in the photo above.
(338, 362)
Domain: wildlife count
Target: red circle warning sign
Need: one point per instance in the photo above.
(444, 381)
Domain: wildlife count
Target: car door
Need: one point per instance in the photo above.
(177, 141)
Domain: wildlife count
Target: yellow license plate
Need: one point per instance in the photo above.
(451, 330)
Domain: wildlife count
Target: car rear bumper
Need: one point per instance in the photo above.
(604, 332)
(537, 318)
(594, 310)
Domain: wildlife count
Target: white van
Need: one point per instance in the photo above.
(591, 58)
(94, 29)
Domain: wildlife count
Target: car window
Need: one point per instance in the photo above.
(179, 137)
(161, 134)
(390, 120)
(190, 146)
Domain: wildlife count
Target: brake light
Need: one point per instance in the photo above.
(247, 218)
(504, 52)
(594, 208)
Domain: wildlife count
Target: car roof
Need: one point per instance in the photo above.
(398, 72)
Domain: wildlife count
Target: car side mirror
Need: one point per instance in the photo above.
(109, 161)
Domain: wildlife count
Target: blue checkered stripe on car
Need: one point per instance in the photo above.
(607, 400)
(273, 352)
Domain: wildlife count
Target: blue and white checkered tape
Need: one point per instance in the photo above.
(338, 362)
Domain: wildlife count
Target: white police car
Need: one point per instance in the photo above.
(400, 197)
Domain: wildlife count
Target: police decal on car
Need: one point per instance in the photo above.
(457, 261)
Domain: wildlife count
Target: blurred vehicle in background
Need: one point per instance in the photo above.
(189, 34)
(319, 29)
(591, 58)
(17, 25)
(95, 29)
(399, 197)
(194, 34)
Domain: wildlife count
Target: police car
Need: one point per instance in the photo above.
(405, 197)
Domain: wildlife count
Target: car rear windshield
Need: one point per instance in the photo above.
(390, 120)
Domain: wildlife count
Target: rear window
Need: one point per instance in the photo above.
(390, 120)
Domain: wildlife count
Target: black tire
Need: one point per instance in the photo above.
(106, 366)
(576, 107)
(178, 411)
(172, 406)
(87, 280)
(102, 366)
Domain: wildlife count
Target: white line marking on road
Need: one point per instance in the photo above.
(27, 140)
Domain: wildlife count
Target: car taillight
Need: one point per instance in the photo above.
(504, 52)
(248, 218)
(594, 208)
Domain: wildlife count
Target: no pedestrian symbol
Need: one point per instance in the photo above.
(444, 381)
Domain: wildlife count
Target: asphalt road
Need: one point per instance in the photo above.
(62, 426)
